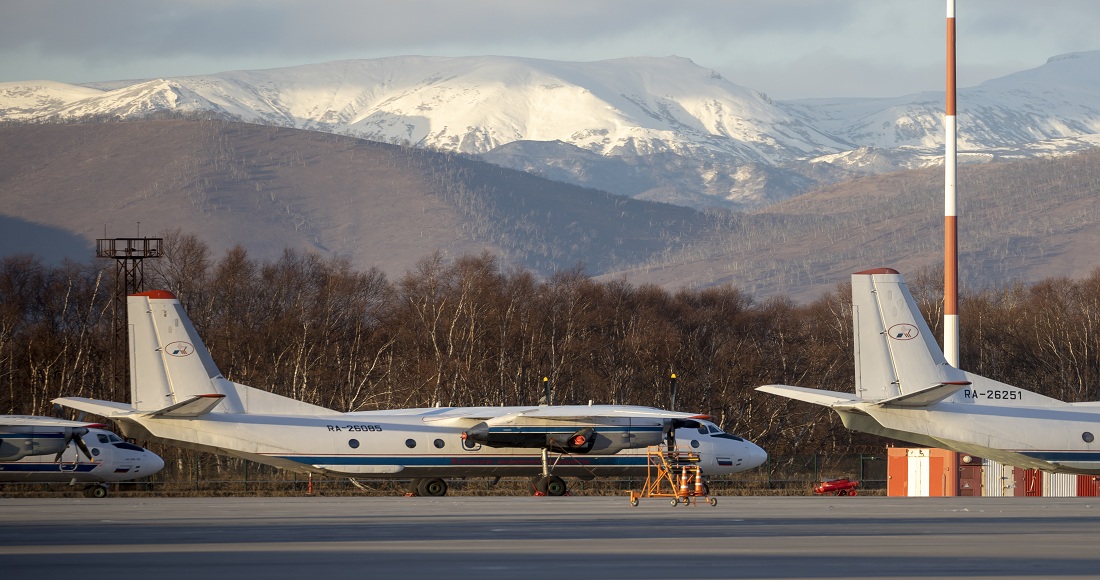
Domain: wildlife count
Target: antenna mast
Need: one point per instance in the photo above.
(950, 212)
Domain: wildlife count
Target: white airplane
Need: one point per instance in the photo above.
(179, 397)
(905, 389)
(48, 450)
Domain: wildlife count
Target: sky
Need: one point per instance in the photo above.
(787, 49)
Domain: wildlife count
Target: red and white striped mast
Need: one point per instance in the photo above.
(950, 215)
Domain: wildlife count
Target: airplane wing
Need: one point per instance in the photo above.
(572, 412)
(498, 415)
(815, 396)
(32, 421)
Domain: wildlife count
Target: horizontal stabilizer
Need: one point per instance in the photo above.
(193, 407)
(815, 396)
(925, 397)
(27, 421)
(95, 406)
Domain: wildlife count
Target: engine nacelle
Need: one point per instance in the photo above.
(581, 441)
(20, 442)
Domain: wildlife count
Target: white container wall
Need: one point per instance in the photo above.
(997, 480)
(1059, 485)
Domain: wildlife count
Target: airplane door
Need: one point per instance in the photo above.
(918, 472)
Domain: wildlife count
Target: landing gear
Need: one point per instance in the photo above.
(429, 487)
(96, 491)
(551, 485)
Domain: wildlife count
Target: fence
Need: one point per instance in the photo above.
(203, 475)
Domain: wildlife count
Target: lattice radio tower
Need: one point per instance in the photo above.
(129, 255)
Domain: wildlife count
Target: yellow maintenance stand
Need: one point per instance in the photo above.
(673, 473)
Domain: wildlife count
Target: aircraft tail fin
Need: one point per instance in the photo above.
(173, 375)
(897, 359)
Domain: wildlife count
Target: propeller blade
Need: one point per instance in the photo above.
(78, 437)
(69, 434)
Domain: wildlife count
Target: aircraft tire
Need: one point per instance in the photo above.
(555, 486)
(431, 487)
(96, 491)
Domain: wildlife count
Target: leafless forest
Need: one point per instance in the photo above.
(471, 332)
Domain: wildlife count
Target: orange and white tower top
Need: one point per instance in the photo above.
(950, 214)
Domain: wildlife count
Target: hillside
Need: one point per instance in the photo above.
(386, 206)
(269, 188)
(1020, 221)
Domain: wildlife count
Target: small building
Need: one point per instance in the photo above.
(931, 472)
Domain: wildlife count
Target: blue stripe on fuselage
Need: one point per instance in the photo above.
(33, 467)
(1062, 456)
(452, 460)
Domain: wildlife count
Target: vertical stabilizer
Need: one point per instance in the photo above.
(168, 361)
(895, 351)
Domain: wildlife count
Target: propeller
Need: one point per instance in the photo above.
(75, 435)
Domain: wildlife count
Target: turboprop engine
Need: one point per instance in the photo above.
(580, 441)
(17, 442)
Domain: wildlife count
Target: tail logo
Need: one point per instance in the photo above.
(179, 348)
(903, 332)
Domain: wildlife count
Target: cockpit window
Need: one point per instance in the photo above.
(714, 429)
(702, 429)
(114, 438)
(102, 438)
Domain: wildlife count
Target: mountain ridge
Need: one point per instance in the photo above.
(730, 146)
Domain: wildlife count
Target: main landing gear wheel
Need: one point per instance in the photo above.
(96, 491)
(551, 485)
(431, 487)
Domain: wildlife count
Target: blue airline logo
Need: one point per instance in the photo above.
(179, 348)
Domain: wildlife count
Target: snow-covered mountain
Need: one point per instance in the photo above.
(1049, 109)
(662, 129)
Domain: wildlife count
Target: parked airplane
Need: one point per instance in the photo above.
(905, 389)
(179, 397)
(49, 450)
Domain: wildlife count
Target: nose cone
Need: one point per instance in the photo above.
(151, 463)
(755, 456)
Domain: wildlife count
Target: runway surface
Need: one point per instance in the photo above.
(545, 537)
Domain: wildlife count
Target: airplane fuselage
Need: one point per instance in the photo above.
(414, 443)
(1059, 439)
(112, 460)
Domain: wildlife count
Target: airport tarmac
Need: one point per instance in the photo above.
(549, 537)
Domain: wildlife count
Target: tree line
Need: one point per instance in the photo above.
(474, 331)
